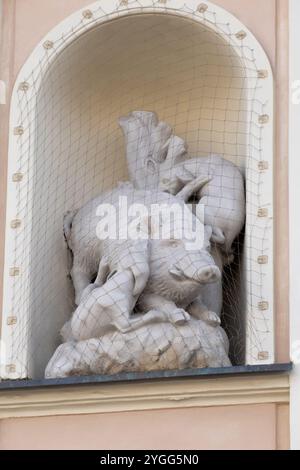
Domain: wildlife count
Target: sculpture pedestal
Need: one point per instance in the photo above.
(160, 346)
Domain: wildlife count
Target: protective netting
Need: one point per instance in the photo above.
(71, 149)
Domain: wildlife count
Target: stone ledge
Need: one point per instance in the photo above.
(146, 395)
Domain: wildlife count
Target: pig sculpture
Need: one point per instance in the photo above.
(163, 166)
(162, 162)
(151, 303)
(80, 230)
(111, 312)
(175, 280)
(100, 312)
(223, 196)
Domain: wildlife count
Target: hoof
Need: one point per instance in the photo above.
(179, 317)
(211, 318)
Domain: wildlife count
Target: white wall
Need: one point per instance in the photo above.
(294, 162)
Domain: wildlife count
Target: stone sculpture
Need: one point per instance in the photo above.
(223, 196)
(164, 163)
(169, 168)
(165, 168)
(152, 303)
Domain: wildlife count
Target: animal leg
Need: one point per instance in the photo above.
(135, 257)
(175, 315)
(82, 279)
(153, 316)
(198, 310)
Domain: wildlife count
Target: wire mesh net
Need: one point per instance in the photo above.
(131, 313)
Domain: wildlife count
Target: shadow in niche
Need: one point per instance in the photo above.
(234, 303)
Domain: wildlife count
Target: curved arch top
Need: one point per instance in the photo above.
(207, 13)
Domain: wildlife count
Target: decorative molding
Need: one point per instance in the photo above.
(150, 395)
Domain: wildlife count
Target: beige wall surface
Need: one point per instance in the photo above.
(229, 427)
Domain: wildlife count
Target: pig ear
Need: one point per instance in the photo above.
(185, 176)
(177, 150)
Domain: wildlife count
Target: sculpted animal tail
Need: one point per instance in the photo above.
(193, 187)
(67, 226)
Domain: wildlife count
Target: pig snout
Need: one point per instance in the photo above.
(204, 274)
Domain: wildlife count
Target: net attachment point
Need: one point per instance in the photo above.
(262, 212)
(262, 74)
(16, 223)
(87, 14)
(17, 177)
(48, 44)
(263, 355)
(263, 119)
(263, 165)
(241, 35)
(14, 271)
(19, 130)
(11, 321)
(263, 259)
(24, 86)
(10, 368)
(202, 8)
(263, 305)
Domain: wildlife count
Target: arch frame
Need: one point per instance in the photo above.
(43, 56)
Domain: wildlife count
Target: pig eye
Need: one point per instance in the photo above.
(173, 243)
